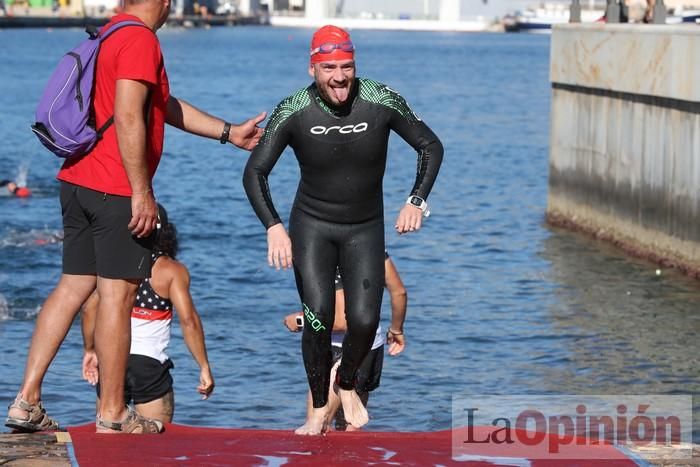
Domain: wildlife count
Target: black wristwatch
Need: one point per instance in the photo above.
(224, 134)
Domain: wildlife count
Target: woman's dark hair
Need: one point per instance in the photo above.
(166, 239)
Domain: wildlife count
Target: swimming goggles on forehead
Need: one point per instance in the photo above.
(329, 47)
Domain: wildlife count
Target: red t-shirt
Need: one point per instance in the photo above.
(134, 53)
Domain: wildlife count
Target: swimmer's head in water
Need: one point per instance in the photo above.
(23, 192)
(166, 238)
(12, 187)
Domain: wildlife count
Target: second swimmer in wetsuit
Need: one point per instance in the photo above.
(338, 128)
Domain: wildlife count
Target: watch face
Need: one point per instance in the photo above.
(416, 201)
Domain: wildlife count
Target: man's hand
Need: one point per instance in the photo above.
(247, 134)
(410, 219)
(290, 321)
(206, 383)
(90, 371)
(397, 342)
(279, 247)
(144, 213)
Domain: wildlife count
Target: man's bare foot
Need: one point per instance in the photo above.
(354, 410)
(316, 424)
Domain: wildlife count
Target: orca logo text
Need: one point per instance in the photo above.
(343, 130)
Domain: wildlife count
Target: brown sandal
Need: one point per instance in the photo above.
(36, 419)
(132, 424)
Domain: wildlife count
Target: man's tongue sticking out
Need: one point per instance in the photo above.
(340, 93)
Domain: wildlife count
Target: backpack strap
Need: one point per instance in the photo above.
(105, 33)
(101, 130)
(102, 35)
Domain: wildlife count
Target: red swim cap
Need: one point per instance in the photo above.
(331, 43)
(23, 192)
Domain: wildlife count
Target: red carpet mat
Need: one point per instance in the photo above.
(186, 445)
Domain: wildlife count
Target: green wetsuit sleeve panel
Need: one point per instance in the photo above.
(412, 129)
(275, 139)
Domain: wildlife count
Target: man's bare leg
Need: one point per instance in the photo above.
(52, 325)
(318, 420)
(309, 405)
(333, 404)
(333, 399)
(160, 409)
(112, 342)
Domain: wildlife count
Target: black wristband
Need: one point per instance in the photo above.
(223, 139)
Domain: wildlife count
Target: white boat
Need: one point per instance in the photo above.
(681, 15)
(544, 16)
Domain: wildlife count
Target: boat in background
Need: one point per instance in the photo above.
(682, 15)
(543, 17)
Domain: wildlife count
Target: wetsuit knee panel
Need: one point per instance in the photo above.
(363, 322)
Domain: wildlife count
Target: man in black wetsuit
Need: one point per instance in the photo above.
(339, 129)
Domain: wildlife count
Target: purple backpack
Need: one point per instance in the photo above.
(64, 118)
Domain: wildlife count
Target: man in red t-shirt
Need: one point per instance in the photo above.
(109, 212)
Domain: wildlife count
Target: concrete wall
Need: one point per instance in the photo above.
(317, 9)
(625, 137)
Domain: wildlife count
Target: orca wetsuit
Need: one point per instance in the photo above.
(337, 218)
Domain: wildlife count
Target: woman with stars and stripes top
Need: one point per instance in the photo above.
(148, 381)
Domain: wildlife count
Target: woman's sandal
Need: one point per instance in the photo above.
(132, 424)
(36, 419)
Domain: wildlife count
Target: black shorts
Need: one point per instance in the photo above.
(370, 371)
(96, 238)
(146, 379)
